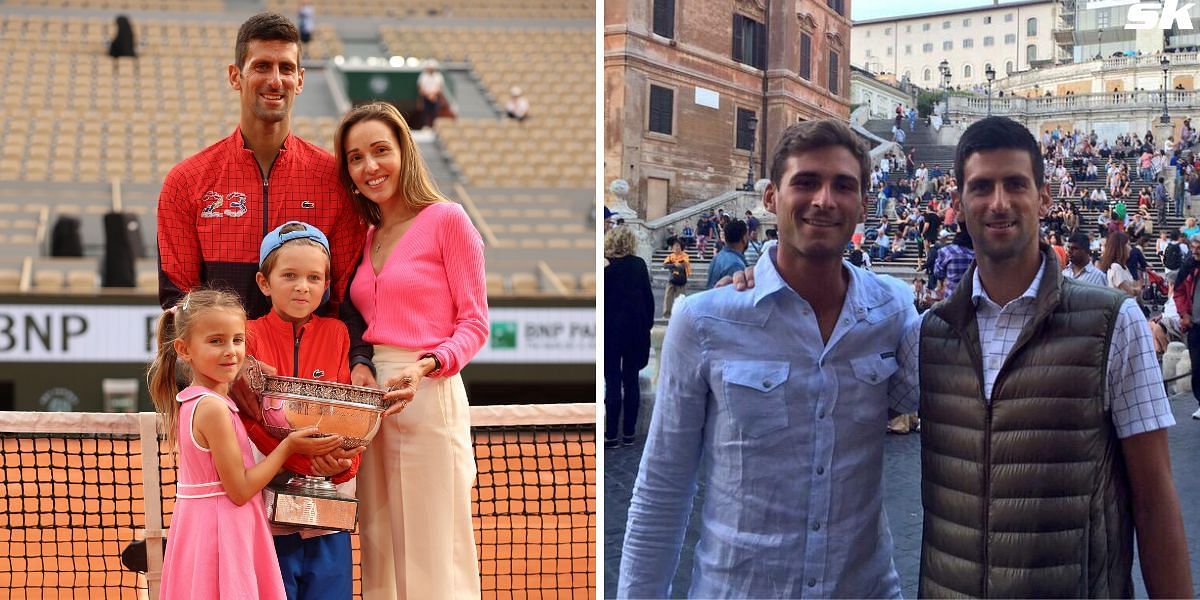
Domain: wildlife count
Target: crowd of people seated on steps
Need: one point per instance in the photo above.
(1071, 158)
(912, 210)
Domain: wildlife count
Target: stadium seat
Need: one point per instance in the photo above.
(82, 281)
(48, 281)
(525, 284)
(147, 281)
(495, 284)
(10, 280)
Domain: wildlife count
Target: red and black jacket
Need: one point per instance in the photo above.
(216, 206)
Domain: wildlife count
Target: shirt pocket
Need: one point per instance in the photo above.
(754, 392)
(868, 400)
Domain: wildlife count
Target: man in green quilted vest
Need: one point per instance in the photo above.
(1043, 414)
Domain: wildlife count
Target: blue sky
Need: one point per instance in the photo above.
(861, 10)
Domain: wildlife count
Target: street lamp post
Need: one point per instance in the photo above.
(1166, 66)
(944, 68)
(752, 125)
(990, 73)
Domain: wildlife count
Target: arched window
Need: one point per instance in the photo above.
(1031, 27)
(1030, 53)
(927, 72)
(966, 71)
(1008, 68)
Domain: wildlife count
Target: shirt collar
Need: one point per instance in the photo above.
(274, 321)
(767, 280)
(862, 292)
(245, 145)
(978, 293)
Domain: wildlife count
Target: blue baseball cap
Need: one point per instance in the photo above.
(275, 239)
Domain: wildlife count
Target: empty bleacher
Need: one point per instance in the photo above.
(555, 69)
(72, 120)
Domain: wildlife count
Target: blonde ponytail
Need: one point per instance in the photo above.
(160, 377)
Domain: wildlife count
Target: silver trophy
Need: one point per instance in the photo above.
(289, 404)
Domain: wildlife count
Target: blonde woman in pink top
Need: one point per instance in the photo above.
(421, 290)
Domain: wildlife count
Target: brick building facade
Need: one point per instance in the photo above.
(684, 79)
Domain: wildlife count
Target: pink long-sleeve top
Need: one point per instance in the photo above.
(431, 294)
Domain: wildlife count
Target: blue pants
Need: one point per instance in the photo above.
(316, 568)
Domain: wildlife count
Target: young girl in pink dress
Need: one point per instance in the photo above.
(219, 545)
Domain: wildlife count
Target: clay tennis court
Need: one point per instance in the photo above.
(72, 502)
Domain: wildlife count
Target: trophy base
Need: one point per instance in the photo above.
(294, 506)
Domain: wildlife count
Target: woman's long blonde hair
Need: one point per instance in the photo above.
(619, 242)
(416, 186)
(176, 324)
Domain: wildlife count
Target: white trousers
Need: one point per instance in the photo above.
(414, 490)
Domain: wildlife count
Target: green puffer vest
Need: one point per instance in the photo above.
(1028, 496)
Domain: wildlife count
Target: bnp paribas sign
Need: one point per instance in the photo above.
(1166, 14)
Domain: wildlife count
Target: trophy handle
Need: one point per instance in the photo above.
(258, 381)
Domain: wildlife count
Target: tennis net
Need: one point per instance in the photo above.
(78, 489)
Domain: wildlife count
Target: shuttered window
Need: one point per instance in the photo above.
(806, 56)
(834, 75)
(749, 42)
(664, 18)
(745, 135)
(662, 109)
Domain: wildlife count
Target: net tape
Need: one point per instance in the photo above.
(74, 497)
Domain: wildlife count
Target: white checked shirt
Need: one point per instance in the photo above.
(1139, 402)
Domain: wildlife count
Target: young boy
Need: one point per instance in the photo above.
(681, 268)
(294, 274)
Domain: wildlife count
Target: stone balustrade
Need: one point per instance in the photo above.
(1178, 103)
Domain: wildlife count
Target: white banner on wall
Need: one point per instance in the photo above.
(541, 335)
(79, 333)
(124, 334)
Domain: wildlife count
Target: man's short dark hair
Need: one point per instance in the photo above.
(814, 135)
(735, 231)
(265, 27)
(1173, 235)
(1080, 239)
(998, 133)
(772, 234)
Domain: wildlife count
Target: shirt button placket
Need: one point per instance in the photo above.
(816, 550)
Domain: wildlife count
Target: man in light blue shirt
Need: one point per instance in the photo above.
(777, 400)
(731, 258)
(1081, 268)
